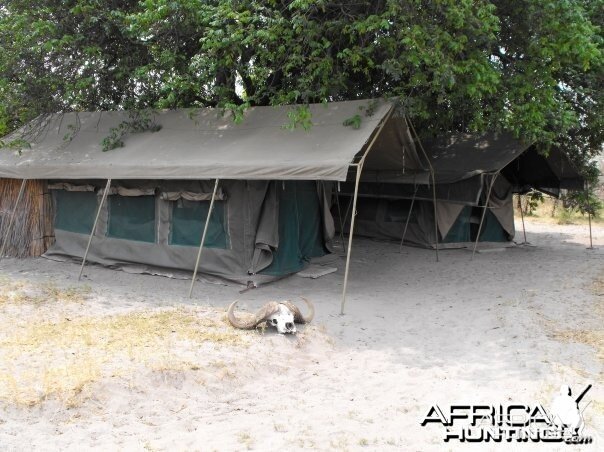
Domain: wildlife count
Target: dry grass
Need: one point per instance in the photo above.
(591, 337)
(32, 230)
(551, 212)
(20, 292)
(42, 359)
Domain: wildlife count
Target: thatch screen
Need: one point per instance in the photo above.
(32, 231)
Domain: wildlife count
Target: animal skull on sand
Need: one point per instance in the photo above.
(283, 315)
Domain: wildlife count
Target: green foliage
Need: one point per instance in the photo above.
(531, 67)
(15, 145)
(584, 202)
(532, 200)
(353, 121)
(299, 117)
(138, 122)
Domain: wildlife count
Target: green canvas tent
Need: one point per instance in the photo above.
(467, 170)
(256, 193)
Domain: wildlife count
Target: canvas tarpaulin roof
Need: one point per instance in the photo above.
(198, 144)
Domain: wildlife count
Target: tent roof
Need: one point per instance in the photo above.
(462, 156)
(197, 144)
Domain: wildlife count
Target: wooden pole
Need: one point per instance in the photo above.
(96, 220)
(12, 219)
(484, 212)
(203, 237)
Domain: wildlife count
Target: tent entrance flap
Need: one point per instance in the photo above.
(300, 228)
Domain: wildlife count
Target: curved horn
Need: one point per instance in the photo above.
(263, 313)
(298, 316)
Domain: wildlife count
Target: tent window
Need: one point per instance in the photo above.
(188, 221)
(132, 218)
(397, 211)
(75, 210)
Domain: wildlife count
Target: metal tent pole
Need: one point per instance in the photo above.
(484, 211)
(522, 217)
(350, 234)
(96, 220)
(400, 248)
(433, 177)
(203, 237)
(359, 167)
(12, 219)
(340, 217)
(591, 244)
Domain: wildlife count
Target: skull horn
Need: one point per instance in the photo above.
(263, 313)
(298, 316)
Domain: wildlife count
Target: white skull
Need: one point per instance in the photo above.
(283, 320)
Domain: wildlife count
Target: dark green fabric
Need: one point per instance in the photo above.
(75, 210)
(461, 229)
(300, 232)
(397, 211)
(492, 231)
(188, 220)
(465, 231)
(132, 218)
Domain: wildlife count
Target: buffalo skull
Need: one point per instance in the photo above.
(283, 315)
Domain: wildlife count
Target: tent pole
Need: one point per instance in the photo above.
(400, 248)
(350, 234)
(340, 217)
(344, 223)
(522, 217)
(354, 204)
(484, 211)
(96, 220)
(203, 237)
(12, 219)
(432, 176)
(591, 244)
(435, 215)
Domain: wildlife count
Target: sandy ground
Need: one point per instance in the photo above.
(507, 327)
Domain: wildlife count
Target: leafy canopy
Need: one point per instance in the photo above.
(533, 67)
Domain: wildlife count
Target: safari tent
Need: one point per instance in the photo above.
(256, 197)
(255, 194)
(468, 171)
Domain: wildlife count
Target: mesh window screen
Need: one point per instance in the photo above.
(188, 220)
(75, 210)
(132, 218)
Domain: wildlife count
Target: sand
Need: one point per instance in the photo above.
(99, 365)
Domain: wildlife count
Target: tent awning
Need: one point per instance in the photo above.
(196, 144)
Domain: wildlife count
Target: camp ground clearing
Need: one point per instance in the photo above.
(93, 357)
(128, 361)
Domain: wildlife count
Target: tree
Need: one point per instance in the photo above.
(532, 67)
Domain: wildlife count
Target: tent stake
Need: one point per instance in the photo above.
(400, 248)
(484, 212)
(12, 219)
(203, 237)
(350, 234)
(96, 220)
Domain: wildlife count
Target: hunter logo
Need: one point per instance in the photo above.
(521, 423)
